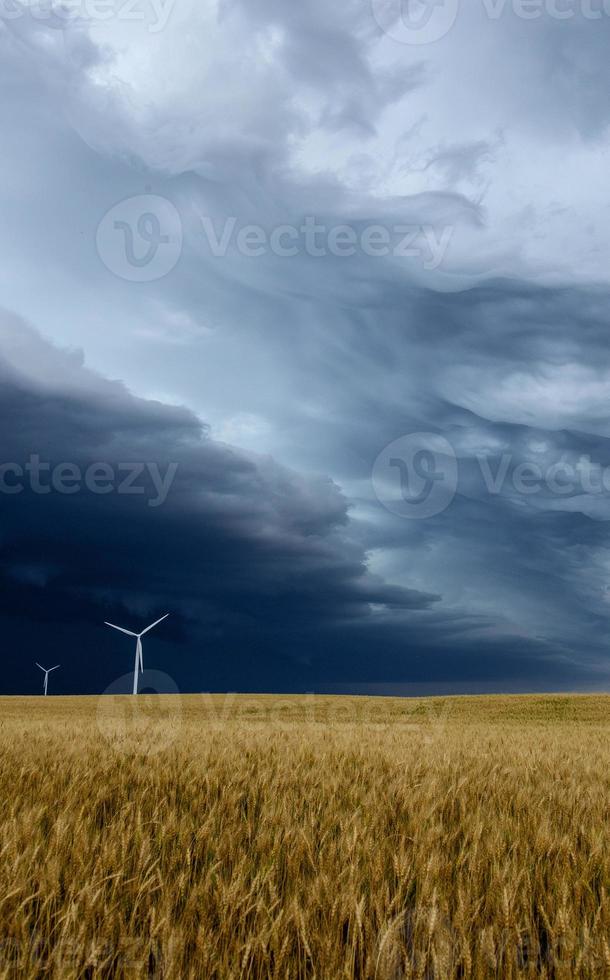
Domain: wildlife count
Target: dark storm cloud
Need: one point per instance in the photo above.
(514, 377)
(241, 545)
(271, 111)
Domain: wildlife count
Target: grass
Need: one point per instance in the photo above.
(325, 838)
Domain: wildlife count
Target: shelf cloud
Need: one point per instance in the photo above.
(246, 266)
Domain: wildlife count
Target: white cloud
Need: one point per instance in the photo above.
(547, 397)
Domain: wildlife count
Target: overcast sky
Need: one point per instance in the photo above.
(304, 340)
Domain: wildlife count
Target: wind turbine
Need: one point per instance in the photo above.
(46, 675)
(138, 636)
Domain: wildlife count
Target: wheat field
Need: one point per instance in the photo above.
(208, 837)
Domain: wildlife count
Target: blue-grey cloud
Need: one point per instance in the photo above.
(492, 142)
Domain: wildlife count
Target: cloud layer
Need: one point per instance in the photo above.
(234, 542)
(483, 158)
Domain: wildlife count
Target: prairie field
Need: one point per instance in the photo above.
(305, 837)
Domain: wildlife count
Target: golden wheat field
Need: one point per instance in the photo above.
(210, 837)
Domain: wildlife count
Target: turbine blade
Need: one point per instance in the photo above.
(140, 655)
(38, 665)
(154, 624)
(54, 668)
(121, 630)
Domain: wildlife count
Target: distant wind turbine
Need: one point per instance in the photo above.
(46, 675)
(138, 636)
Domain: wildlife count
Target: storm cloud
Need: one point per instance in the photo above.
(266, 382)
(232, 541)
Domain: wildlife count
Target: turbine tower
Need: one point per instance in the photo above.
(138, 637)
(46, 675)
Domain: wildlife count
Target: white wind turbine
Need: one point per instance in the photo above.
(139, 661)
(46, 674)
